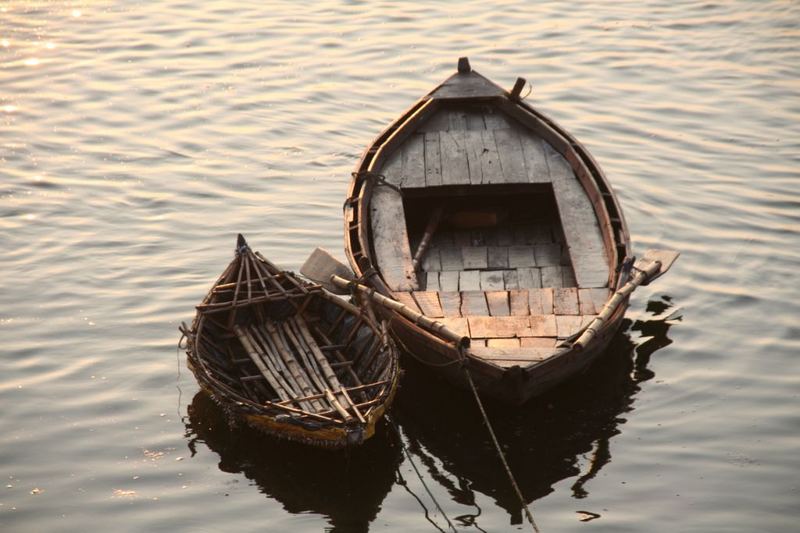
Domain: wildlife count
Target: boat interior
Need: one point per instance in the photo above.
(483, 224)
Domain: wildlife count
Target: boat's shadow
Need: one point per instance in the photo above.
(557, 436)
(563, 434)
(347, 486)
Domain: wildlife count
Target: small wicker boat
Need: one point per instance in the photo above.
(289, 358)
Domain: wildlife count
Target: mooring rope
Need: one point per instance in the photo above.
(499, 450)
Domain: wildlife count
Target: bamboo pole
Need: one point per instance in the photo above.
(276, 363)
(291, 362)
(418, 318)
(248, 347)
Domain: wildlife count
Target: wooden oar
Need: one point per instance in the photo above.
(653, 265)
(326, 270)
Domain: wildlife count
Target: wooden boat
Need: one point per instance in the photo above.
(479, 211)
(289, 358)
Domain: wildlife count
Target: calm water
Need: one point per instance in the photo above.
(136, 140)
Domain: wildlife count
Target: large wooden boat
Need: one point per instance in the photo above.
(481, 212)
(289, 358)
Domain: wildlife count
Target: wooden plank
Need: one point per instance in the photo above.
(529, 278)
(439, 121)
(586, 302)
(457, 324)
(518, 303)
(407, 299)
(470, 84)
(565, 301)
(492, 280)
(543, 234)
(559, 168)
(496, 119)
(393, 168)
(511, 356)
(451, 303)
(537, 342)
(552, 277)
(473, 303)
(431, 260)
(432, 281)
(521, 257)
(457, 119)
(505, 237)
(499, 326)
(498, 256)
(448, 280)
(390, 239)
(511, 159)
(473, 143)
(455, 166)
(451, 258)
(474, 257)
(567, 325)
(462, 238)
(568, 277)
(541, 301)
(413, 161)
(433, 160)
(503, 343)
(469, 280)
(428, 302)
(600, 296)
(547, 254)
(542, 326)
(510, 280)
(490, 159)
(498, 303)
(474, 120)
(535, 158)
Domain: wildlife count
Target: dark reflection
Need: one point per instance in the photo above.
(565, 433)
(346, 486)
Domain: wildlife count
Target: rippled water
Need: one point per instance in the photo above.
(136, 140)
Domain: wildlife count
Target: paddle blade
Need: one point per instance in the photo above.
(321, 265)
(665, 258)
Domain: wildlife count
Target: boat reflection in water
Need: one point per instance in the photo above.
(347, 487)
(562, 434)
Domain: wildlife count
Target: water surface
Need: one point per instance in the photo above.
(137, 139)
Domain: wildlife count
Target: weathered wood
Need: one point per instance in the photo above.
(392, 249)
(512, 356)
(427, 236)
(547, 254)
(431, 261)
(439, 121)
(496, 119)
(492, 280)
(565, 301)
(535, 159)
(521, 257)
(475, 120)
(542, 326)
(567, 325)
(266, 372)
(552, 277)
(498, 303)
(413, 161)
(498, 256)
(568, 277)
(474, 303)
(509, 149)
(503, 343)
(428, 302)
(499, 326)
(586, 302)
(432, 281)
(433, 160)
(407, 299)
(469, 280)
(490, 159)
(510, 280)
(465, 85)
(559, 168)
(457, 324)
(451, 303)
(474, 257)
(600, 296)
(541, 301)
(473, 144)
(529, 278)
(518, 302)
(537, 342)
(448, 280)
(392, 169)
(455, 163)
(451, 258)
